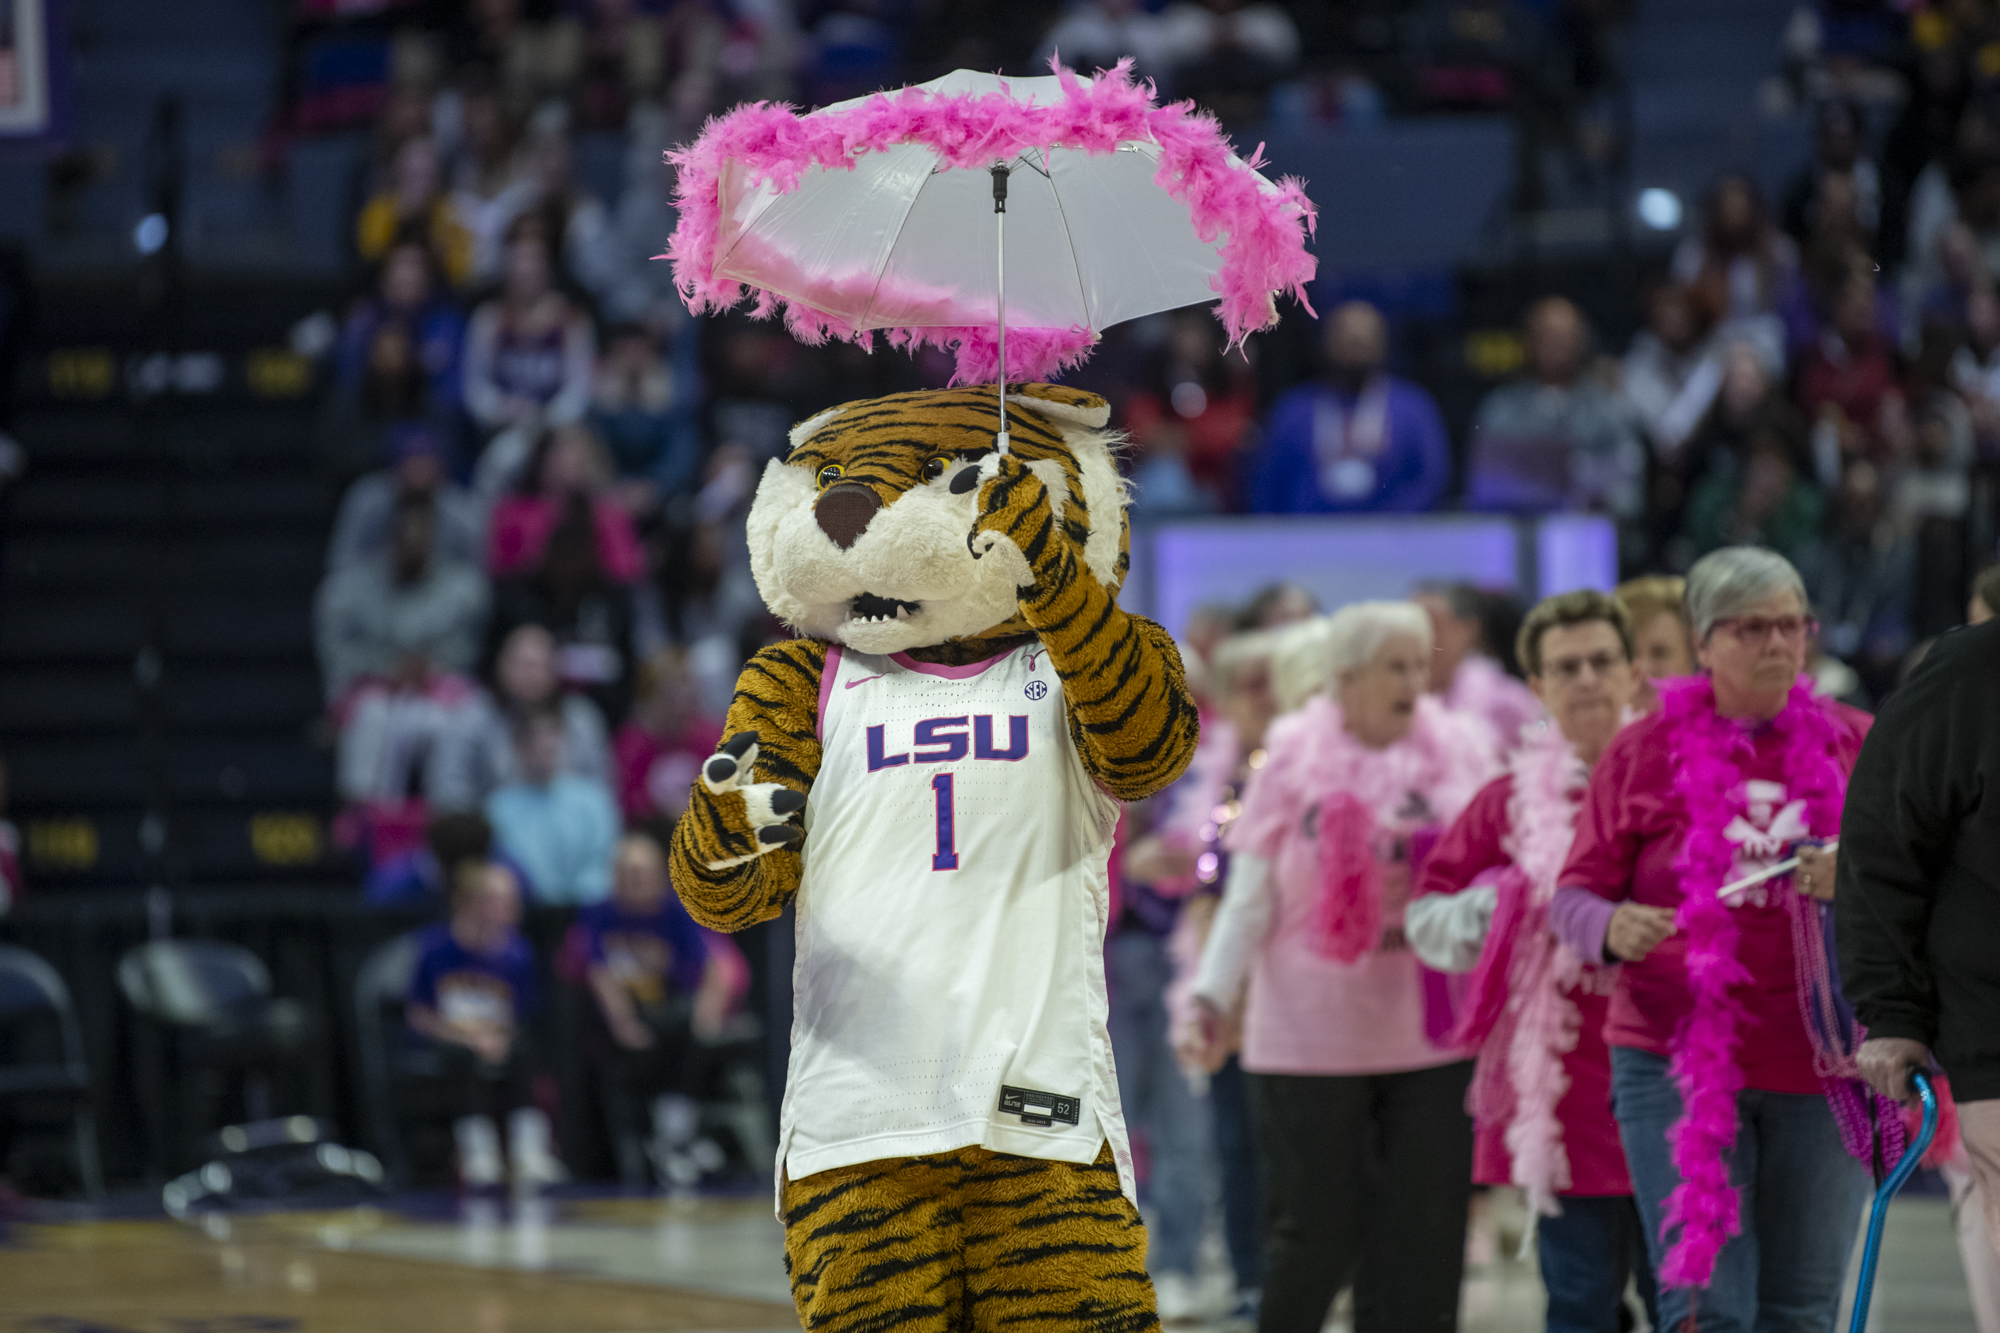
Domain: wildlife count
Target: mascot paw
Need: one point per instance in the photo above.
(761, 811)
(1018, 514)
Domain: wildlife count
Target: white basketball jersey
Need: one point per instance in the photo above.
(949, 988)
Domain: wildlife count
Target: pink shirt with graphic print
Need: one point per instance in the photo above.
(1631, 829)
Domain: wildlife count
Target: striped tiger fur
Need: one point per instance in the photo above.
(777, 698)
(1134, 722)
(1131, 715)
(967, 1240)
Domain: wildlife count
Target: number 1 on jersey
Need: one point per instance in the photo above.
(946, 856)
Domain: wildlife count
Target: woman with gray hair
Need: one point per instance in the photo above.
(1731, 1055)
(1359, 1100)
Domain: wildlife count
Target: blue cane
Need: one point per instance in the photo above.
(1906, 1165)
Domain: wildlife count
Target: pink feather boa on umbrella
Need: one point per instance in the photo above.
(1262, 233)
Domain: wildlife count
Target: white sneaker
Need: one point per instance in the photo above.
(676, 1119)
(528, 1150)
(1178, 1298)
(478, 1141)
(708, 1155)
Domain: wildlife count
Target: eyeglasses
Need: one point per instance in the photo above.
(1569, 669)
(1759, 629)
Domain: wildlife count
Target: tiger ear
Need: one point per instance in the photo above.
(1063, 404)
(804, 430)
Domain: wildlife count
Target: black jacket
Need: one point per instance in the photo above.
(1917, 908)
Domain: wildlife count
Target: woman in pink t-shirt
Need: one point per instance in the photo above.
(567, 464)
(660, 749)
(1731, 1055)
(1362, 1126)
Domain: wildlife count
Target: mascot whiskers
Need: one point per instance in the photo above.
(933, 772)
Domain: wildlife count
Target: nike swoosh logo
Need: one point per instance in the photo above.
(850, 684)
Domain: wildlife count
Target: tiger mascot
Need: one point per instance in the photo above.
(953, 734)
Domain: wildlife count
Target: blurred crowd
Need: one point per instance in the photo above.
(526, 402)
(537, 593)
(1785, 388)
(613, 65)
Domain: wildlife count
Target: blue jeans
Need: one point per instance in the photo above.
(1800, 1194)
(1159, 1102)
(1587, 1255)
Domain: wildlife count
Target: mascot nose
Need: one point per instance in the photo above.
(843, 513)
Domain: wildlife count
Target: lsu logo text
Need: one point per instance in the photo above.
(944, 740)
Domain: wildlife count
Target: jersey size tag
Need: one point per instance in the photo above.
(1039, 1108)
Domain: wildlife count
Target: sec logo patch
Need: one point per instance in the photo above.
(1035, 689)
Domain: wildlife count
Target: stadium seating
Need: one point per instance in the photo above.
(32, 994)
(157, 686)
(211, 1018)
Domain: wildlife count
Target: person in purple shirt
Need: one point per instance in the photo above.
(1359, 440)
(408, 294)
(648, 968)
(470, 999)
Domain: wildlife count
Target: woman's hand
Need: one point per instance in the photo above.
(1206, 1040)
(1152, 859)
(1814, 877)
(1886, 1063)
(711, 1003)
(1637, 930)
(490, 1042)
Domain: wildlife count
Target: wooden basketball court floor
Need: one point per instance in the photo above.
(616, 1265)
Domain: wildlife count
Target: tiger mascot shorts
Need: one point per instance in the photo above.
(968, 1240)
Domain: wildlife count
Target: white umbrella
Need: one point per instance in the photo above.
(964, 210)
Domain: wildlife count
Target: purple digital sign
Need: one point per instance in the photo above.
(1177, 567)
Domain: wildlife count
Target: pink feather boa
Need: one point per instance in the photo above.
(1709, 754)
(1262, 232)
(1347, 918)
(1354, 795)
(1521, 1018)
(1447, 757)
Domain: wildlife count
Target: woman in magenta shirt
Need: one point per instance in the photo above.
(1716, 1071)
(1541, 1094)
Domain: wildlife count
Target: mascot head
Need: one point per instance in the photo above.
(858, 535)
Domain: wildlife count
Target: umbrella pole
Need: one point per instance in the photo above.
(1000, 172)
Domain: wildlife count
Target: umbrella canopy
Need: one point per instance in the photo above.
(878, 214)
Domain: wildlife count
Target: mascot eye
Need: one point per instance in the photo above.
(830, 474)
(932, 469)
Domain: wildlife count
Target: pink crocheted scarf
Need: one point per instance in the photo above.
(1709, 755)
(1520, 1016)
(1260, 232)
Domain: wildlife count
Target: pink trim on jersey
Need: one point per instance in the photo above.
(965, 672)
(827, 672)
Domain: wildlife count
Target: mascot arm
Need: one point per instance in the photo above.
(1130, 711)
(735, 856)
